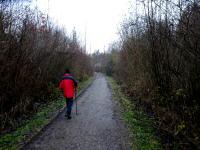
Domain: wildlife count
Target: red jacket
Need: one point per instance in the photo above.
(68, 84)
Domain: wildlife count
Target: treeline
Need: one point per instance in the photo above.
(33, 56)
(157, 62)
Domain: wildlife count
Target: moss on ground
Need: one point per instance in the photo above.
(140, 124)
(31, 127)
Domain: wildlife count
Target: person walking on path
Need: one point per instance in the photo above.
(68, 85)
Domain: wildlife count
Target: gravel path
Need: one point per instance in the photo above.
(96, 127)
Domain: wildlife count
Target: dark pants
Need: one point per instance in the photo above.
(69, 103)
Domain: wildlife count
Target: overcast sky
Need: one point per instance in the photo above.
(100, 19)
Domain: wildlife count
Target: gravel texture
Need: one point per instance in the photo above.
(98, 125)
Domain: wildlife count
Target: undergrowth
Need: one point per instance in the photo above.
(140, 124)
(34, 124)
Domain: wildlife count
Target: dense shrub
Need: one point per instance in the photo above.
(33, 56)
(158, 63)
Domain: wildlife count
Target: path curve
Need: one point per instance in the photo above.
(97, 126)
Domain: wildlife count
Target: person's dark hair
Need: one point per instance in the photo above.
(67, 70)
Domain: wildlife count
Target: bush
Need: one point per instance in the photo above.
(33, 56)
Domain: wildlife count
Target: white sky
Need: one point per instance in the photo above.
(99, 18)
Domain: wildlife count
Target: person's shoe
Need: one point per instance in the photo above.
(69, 117)
(66, 115)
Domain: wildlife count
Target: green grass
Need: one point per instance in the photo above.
(141, 126)
(31, 127)
(84, 84)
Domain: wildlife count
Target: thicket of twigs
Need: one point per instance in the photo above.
(33, 56)
(158, 63)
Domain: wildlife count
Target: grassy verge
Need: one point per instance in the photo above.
(84, 84)
(140, 124)
(31, 127)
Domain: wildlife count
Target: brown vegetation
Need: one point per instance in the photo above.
(157, 62)
(33, 56)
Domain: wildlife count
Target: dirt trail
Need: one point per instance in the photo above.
(96, 127)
